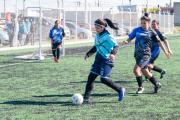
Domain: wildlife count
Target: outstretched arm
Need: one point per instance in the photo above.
(163, 47)
(168, 47)
(90, 52)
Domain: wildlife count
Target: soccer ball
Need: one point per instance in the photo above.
(77, 99)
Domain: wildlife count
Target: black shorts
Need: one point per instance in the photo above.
(143, 61)
(56, 45)
(153, 59)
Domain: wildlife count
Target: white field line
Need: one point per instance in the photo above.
(66, 42)
(13, 64)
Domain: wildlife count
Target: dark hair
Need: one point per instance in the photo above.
(105, 22)
(156, 21)
(56, 21)
(146, 17)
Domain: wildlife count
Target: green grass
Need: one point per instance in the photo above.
(42, 90)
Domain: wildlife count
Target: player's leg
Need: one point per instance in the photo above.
(105, 79)
(95, 71)
(156, 68)
(89, 86)
(58, 51)
(152, 79)
(137, 72)
(54, 47)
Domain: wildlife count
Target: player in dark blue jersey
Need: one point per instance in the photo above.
(56, 35)
(105, 48)
(142, 54)
(156, 49)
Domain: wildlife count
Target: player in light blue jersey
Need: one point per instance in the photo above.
(105, 48)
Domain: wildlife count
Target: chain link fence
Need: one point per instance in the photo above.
(24, 27)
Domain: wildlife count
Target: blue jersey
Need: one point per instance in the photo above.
(155, 46)
(56, 34)
(143, 42)
(104, 44)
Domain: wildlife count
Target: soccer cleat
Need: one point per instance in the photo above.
(55, 59)
(162, 74)
(121, 94)
(140, 90)
(157, 88)
(87, 101)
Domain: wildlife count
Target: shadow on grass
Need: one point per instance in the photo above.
(69, 95)
(145, 93)
(28, 102)
(98, 81)
(42, 103)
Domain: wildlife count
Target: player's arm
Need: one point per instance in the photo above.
(113, 53)
(168, 47)
(63, 33)
(162, 47)
(90, 52)
(131, 36)
(51, 35)
(165, 41)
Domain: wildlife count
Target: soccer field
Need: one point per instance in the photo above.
(33, 90)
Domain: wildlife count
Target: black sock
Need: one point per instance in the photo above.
(111, 84)
(139, 81)
(89, 85)
(58, 53)
(157, 69)
(153, 80)
(54, 53)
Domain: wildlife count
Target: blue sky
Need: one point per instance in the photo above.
(10, 6)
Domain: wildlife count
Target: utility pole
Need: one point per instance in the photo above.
(4, 8)
(24, 7)
(130, 15)
(86, 14)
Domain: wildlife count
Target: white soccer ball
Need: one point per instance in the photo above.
(77, 99)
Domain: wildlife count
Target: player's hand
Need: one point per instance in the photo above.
(125, 42)
(168, 55)
(111, 57)
(170, 52)
(86, 56)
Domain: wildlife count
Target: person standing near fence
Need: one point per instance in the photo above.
(105, 48)
(156, 49)
(56, 35)
(143, 43)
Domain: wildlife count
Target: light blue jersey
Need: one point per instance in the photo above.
(105, 43)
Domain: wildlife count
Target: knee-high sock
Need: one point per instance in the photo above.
(89, 85)
(157, 69)
(139, 81)
(111, 84)
(58, 53)
(153, 80)
(54, 52)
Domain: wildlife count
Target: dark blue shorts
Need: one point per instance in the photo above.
(56, 45)
(102, 66)
(153, 59)
(143, 61)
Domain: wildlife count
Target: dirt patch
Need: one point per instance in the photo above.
(72, 51)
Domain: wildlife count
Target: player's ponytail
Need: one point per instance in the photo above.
(105, 22)
(110, 24)
(146, 17)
